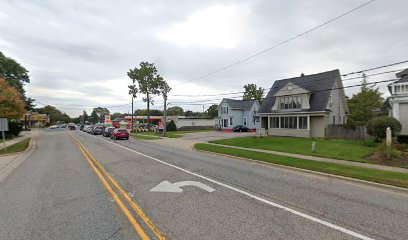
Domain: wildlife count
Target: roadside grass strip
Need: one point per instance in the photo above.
(373, 175)
(144, 137)
(17, 147)
(350, 150)
(104, 177)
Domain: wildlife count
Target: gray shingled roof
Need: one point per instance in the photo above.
(403, 75)
(314, 83)
(239, 104)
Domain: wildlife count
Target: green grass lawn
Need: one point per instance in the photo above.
(175, 134)
(17, 147)
(332, 148)
(144, 137)
(373, 175)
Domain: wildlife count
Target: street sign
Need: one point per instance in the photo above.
(167, 186)
(107, 119)
(161, 125)
(4, 124)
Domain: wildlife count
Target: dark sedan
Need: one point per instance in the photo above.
(108, 131)
(240, 128)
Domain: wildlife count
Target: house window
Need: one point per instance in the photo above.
(289, 122)
(274, 122)
(291, 102)
(224, 109)
(302, 122)
(245, 121)
(230, 121)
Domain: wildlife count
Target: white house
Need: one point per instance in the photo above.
(237, 112)
(399, 100)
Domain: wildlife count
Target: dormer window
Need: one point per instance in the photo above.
(290, 102)
(224, 110)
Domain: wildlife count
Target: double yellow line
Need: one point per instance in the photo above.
(103, 175)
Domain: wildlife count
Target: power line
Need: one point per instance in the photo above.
(281, 43)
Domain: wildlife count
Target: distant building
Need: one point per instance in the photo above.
(304, 106)
(399, 100)
(237, 112)
(35, 119)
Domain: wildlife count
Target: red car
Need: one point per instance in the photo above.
(120, 133)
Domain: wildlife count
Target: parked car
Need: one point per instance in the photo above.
(240, 128)
(107, 132)
(72, 127)
(89, 129)
(120, 133)
(98, 130)
(53, 127)
(85, 128)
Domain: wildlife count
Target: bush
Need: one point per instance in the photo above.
(14, 129)
(393, 151)
(370, 143)
(376, 127)
(171, 126)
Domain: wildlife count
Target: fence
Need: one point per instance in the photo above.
(342, 132)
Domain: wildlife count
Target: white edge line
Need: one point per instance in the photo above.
(276, 205)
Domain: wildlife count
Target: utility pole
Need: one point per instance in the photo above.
(164, 113)
(132, 115)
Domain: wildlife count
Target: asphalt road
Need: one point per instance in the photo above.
(55, 194)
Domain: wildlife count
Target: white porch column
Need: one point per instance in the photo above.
(269, 123)
(395, 110)
(308, 122)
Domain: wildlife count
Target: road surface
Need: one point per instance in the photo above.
(79, 186)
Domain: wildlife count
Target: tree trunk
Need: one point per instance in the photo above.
(148, 110)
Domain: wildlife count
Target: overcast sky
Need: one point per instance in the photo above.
(78, 52)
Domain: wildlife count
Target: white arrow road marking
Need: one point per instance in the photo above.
(167, 186)
(270, 203)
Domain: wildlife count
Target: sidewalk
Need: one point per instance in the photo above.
(14, 140)
(321, 159)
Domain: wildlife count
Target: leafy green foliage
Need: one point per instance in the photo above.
(212, 111)
(252, 92)
(16, 76)
(377, 127)
(11, 103)
(171, 126)
(391, 151)
(101, 112)
(175, 111)
(14, 129)
(55, 114)
(149, 82)
(94, 118)
(365, 105)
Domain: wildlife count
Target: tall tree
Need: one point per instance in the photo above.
(212, 111)
(17, 76)
(55, 114)
(149, 82)
(133, 92)
(85, 117)
(94, 118)
(116, 115)
(253, 92)
(11, 102)
(366, 104)
(175, 111)
(101, 112)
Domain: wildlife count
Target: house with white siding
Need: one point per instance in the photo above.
(304, 106)
(399, 100)
(237, 112)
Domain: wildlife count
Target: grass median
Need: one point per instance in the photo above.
(144, 137)
(373, 175)
(17, 147)
(350, 150)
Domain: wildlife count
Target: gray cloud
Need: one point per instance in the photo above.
(82, 50)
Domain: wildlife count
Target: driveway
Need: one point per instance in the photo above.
(216, 135)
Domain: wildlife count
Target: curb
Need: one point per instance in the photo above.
(392, 188)
(21, 152)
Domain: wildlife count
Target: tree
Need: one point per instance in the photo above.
(212, 111)
(149, 82)
(55, 114)
(116, 115)
(364, 105)
(175, 111)
(133, 91)
(16, 76)
(252, 92)
(94, 118)
(85, 117)
(11, 102)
